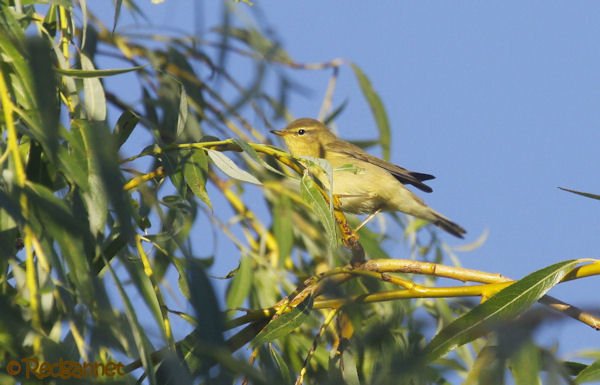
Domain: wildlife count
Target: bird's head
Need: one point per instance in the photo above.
(306, 137)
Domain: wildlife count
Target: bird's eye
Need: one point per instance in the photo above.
(301, 132)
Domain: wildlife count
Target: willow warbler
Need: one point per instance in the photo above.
(364, 184)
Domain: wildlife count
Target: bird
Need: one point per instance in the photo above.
(363, 183)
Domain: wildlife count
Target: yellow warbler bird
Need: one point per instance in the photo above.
(364, 184)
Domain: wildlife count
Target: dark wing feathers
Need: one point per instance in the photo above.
(403, 175)
(422, 177)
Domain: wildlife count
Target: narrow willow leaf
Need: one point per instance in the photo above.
(285, 323)
(371, 242)
(322, 169)
(189, 79)
(195, 167)
(377, 109)
(84, 22)
(254, 155)
(334, 114)
(280, 364)
(311, 194)
(96, 201)
(486, 369)
(103, 163)
(44, 82)
(525, 365)
(50, 215)
(141, 341)
(24, 89)
(260, 43)
(247, 149)
(589, 374)
(183, 112)
(283, 227)
(206, 305)
(138, 276)
(200, 356)
(95, 101)
(587, 195)
(231, 169)
(173, 166)
(94, 73)
(73, 159)
(125, 125)
(10, 213)
(505, 305)
(95, 195)
(348, 369)
(182, 279)
(240, 284)
(118, 5)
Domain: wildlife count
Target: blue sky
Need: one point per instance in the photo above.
(499, 100)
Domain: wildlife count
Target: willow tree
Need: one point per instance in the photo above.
(109, 207)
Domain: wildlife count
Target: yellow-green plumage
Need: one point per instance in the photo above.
(364, 184)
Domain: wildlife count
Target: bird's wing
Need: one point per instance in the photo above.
(403, 175)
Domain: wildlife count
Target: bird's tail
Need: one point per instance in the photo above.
(449, 226)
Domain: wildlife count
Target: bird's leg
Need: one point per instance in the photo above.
(367, 219)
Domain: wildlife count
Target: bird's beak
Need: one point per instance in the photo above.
(278, 133)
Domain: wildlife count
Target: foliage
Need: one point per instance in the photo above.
(95, 226)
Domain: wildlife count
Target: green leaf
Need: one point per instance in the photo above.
(95, 194)
(190, 81)
(16, 58)
(486, 369)
(73, 158)
(285, 323)
(118, 5)
(505, 305)
(310, 193)
(281, 365)
(183, 112)
(371, 242)
(587, 195)
(10, 212)
(51, 216)
(95, 101)
(87, 73)
(195, 167)
(349, 371)
(377, 109)
(125, 125)
(169, 103)
(205, 303)
(257, 41)
(334, 114)
(173, 166)
(240, 284)
(231, 169)
(589, 374)
(252, 153)
(147, 295)
(103, 169)
(182, 278)
(84, 23)
(141, 340)
(46, 96)
(283, 227)
(525, 365)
